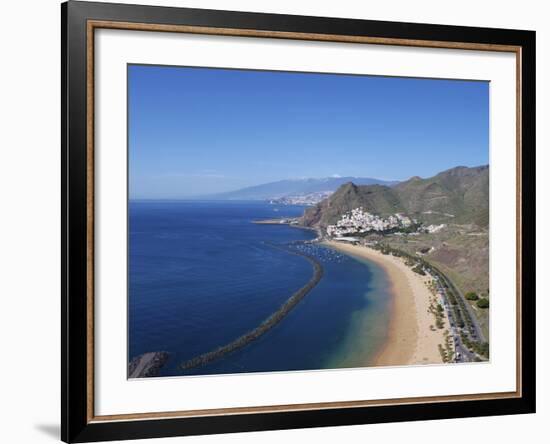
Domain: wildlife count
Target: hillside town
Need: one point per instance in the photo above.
(360, 221)
(307, 199)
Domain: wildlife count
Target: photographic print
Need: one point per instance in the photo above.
(287, 221)
(276, 221)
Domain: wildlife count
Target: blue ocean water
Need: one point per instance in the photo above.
(201, 274)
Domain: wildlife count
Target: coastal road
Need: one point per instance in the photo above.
(465, 354)
(460, 347)
(469, 309)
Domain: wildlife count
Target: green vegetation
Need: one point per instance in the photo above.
(439, 314)
(483, 303)
(481, 348)
(418, 269)
(446, 352)
(442, 352)
(471, 296)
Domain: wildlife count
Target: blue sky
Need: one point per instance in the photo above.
(197, 131)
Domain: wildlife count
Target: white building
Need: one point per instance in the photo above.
(360, 221)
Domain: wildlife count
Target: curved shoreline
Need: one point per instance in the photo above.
(267, 324)
(409, 339)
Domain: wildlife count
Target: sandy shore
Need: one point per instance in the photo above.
(411, 336)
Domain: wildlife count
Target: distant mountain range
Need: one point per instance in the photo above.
(296, 187)
(458, 195)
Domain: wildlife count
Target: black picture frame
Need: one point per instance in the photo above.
(76, 423)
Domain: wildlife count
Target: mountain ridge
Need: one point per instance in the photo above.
(292, 187)
(460, 194)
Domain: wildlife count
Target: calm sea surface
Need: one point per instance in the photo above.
(202, 274)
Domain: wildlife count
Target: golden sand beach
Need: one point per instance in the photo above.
(412, 339)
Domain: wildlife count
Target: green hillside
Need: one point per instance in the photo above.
(459, 195)
(382, 198)
(461, 192)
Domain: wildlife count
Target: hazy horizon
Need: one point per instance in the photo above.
(204, 131)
